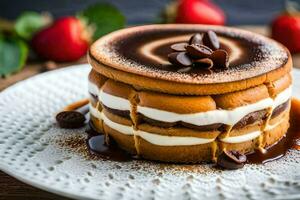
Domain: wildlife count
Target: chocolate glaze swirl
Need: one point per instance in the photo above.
(143, 50)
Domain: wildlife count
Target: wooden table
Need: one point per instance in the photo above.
(11, 188)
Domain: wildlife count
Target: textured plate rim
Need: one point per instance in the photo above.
(46, 187)
(19, 176)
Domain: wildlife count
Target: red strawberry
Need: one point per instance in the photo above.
(286, 29)
(199, 12)
(65, 40)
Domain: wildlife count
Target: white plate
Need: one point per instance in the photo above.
(29, 152)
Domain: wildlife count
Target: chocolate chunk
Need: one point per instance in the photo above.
(204, 62)
(198, 51)
(211, 40)
(70, 119)
(196, 39)
(236, 156)
(220, 58)
(231, 160)
(180, 59)
(179, 46)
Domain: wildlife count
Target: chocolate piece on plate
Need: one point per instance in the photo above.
(72, 118)
(231, 160)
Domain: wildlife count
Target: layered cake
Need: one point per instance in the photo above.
(186, 93)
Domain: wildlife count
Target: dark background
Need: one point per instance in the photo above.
(145, 11)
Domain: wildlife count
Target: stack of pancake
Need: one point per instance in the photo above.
(161, 111)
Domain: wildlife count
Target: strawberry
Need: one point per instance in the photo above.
(199, 12)
(65, 40)
(286, 29)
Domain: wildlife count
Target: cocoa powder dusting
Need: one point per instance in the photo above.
(76, 144)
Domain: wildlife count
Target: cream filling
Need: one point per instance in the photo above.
(124, 129)
(93, 88)
(282, 97)
(155, 139)
(229, 117)
(114, 102)
(95, 112)
(163, 140)
(241, 138)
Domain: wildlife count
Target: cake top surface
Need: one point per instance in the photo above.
(144, 50)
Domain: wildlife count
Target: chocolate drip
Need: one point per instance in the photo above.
(289, 141)
(278, 149)
(97, 146)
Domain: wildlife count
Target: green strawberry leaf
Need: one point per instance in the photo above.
(29, 23)
(13, 55)
(104, 18)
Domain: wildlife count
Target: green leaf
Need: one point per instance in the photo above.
(104, 18)
(13, 55)
(29, 23)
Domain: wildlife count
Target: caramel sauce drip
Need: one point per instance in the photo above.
(290, 141)
(295, 120)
